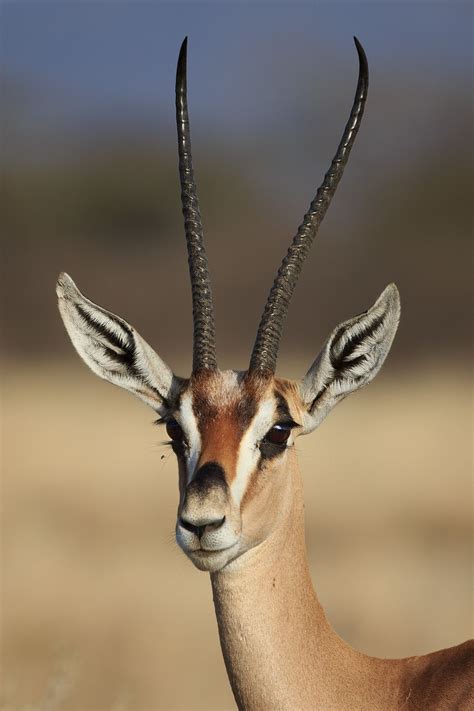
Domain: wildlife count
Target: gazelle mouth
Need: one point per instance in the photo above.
(207, 551)
(213, 560)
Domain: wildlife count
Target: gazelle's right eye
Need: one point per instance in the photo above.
(278, 434)
(174, 431)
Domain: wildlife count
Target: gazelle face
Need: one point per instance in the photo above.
(233, 432)
(231, 435)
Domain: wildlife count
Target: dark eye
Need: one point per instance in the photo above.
(278, 434)
(174, 431)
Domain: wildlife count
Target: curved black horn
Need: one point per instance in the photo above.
(265, 351)
(204, 347)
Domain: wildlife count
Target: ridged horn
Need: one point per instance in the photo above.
(204, 346)
(265, 351)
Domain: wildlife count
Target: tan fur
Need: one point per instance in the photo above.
(281, 653)
(289, 389)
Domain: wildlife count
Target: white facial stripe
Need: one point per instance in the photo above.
(249, 453)
(190, 428)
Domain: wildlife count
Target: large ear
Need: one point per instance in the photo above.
(352, 356)
(113, 349)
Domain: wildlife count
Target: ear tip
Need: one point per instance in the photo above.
(64, 284)
(391, 295)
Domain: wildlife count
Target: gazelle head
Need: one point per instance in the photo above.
(233, 431)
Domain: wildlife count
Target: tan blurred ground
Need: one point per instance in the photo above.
(101, 611)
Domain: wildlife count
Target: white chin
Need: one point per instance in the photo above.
(212, 561)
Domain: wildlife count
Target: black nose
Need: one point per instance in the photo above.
(202, 525)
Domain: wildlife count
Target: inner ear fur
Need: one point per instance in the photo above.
(352, 356)
(113, 350)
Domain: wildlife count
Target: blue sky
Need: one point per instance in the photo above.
(109, 56)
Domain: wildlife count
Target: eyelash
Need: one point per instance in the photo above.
(176, 446)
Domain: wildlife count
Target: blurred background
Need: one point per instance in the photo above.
(99, 608)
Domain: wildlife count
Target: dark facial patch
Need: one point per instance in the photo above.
(210, 476)
(269, 450)
(178, 448)
(207, 490)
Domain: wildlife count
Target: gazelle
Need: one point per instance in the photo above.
(240, 512)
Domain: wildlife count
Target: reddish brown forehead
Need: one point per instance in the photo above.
(234, 397)
(227, 391)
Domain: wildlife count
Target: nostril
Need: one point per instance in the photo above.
(216, 524)
(191, 527)
(199, 530)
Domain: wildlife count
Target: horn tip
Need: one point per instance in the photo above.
(183, 49)
(181, 67)
(364, 66)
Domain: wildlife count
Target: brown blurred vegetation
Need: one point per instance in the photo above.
(103, 204)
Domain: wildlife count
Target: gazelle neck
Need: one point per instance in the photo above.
(280, 651)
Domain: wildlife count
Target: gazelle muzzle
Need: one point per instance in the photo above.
(208, 521)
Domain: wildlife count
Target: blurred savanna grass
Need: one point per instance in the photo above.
(100, 608)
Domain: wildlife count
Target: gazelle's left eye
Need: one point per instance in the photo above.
(278, 434)
(174, 431)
